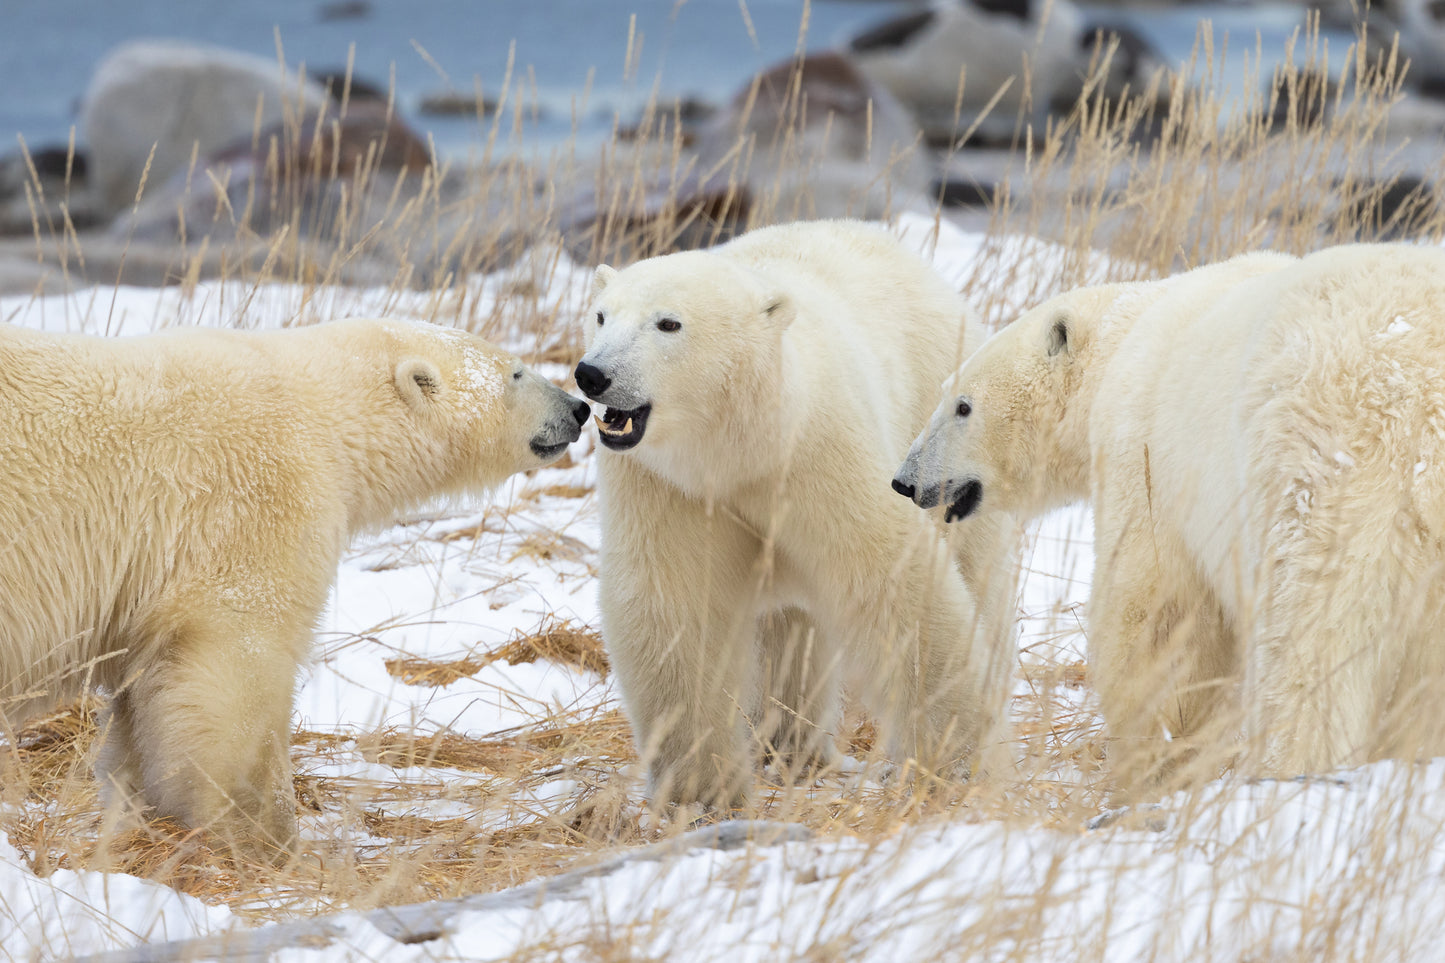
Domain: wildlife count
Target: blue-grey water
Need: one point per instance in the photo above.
(695, 47)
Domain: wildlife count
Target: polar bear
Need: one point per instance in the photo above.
(1263, 443)
(175, 507)
(756, 397)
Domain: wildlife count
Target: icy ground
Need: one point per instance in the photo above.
(1345, 867)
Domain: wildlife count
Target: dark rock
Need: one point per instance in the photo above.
(456, 105)
(50, 187)
(1393, 209)
(343, 10)
(361, 89)
(956, 193)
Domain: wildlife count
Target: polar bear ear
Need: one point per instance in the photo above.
(779, 311)
(1059, 335)
(601, 278)
(418, 382)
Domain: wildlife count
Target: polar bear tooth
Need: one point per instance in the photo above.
(607, 429)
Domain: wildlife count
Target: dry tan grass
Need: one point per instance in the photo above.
(55, 820)
(1153, 187)
(559, 641)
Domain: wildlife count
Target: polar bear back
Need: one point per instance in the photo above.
(1312, 389)
(119, 469)
(1347, 405)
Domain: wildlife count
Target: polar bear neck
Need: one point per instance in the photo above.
(1108, 314)
(387, 465)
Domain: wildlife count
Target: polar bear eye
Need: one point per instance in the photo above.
(964, 409)
(517, 375)
(600, 319)
(669, 325)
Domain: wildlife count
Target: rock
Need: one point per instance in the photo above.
(368, 134)
(302, 175)
(180, 98)
(343, 10)
(1396, 208)
(453, 104)
(809, 138)
(1024, 48)
(56, 267)
(334, 80)
(823, 140)
(49, 186)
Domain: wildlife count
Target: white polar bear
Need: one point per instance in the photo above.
(753, 559)
(176, 504)
(1263, 441)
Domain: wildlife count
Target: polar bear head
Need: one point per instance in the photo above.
(674, 343)
(1008, 433)
(485, 414)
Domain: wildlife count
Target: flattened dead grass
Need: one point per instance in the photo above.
(374, 839)
(559, 640)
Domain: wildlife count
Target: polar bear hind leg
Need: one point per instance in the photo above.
(1329, 653)
(1163, 660)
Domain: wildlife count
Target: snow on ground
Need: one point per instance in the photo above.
(1349, 866)
(1269, 871)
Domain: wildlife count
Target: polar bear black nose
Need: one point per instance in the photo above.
(581, 411)
(591, 379)
(903, 488)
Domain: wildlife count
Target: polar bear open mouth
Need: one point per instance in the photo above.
(621, 430)
(968, 498)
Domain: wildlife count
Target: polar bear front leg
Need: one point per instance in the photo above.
(965, 681)
(118, 765)
(986, 548)
(678, 592)
(920, 664)
(211, 719)
(1163, 660)
(797, 721)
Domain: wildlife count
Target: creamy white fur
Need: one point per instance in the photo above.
(175, 507)
(753, 556)
(1262, 441)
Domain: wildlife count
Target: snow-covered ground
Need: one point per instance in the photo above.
(1344, 867)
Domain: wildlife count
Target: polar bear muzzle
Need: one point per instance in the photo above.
(562, 427)
(961, 497)
(618, 428)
